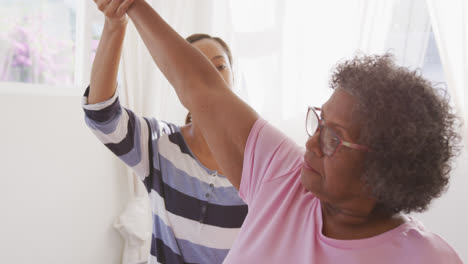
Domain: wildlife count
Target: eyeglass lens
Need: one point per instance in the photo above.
(329, 141)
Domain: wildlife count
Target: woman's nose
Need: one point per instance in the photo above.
(313, 144)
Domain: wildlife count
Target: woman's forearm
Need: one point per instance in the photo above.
(106, 63)
(183, 65)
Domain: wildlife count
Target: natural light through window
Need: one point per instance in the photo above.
(47, 44)
(38, 41)
(257, 21)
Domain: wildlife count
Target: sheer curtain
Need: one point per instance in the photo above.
(286, 49)
(283, 53)
(450, 25)
(409, 33)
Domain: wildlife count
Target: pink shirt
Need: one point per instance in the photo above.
(284, 222)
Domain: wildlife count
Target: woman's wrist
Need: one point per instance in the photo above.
(116, 25)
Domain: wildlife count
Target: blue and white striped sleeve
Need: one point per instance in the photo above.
(121, 131)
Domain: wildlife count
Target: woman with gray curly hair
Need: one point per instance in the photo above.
(381, 146)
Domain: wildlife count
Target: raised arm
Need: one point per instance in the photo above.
(122, 132)
(225, 120)
(106, 63)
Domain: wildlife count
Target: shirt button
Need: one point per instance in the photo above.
(202, 215)
(211, 185)
(207, 195)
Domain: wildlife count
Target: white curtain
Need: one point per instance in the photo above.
(283, 52)
(409, 33)
(450, 25)
(286, 49)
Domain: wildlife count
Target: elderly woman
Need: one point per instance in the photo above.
(380, 147)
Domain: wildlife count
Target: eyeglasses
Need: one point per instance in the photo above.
(329, 141)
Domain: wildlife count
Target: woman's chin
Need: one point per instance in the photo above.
(310, 181)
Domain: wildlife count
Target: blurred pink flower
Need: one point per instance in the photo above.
(36, 53)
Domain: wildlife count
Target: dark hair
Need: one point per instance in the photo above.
(196, 37)
(410, 127)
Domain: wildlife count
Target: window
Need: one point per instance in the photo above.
(47, 43)
(412, 41)
(432, 65)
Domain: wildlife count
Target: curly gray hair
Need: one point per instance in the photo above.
(410, 127)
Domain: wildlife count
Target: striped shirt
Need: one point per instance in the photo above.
(197, 213)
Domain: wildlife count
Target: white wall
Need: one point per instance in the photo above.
(60, 189)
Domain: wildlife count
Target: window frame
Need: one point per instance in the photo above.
(82, 70)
